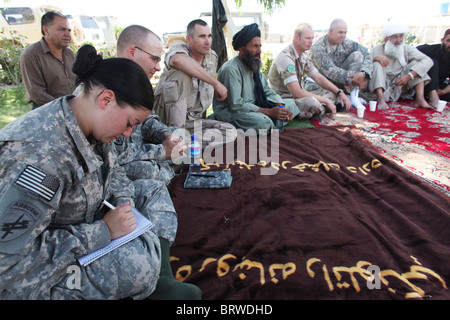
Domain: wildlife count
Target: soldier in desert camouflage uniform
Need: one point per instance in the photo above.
(292, 65)
(57, 168)
(186, 87)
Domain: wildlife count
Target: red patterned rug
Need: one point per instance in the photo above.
(416, 138)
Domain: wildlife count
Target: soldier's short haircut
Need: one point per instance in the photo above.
(134, 35)
(47, 19)
(190, 30)
(336, 22)
(300, 28)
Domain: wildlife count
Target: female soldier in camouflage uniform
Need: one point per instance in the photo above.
(57, 167)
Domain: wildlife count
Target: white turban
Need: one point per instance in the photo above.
(394, 28)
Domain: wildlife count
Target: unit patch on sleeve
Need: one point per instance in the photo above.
(291, 68)
(20, 217)
(38, 182)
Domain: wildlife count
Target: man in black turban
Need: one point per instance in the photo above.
(253, 62)
(251, 103)
(244, 36)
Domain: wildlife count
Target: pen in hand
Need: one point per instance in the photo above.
(120, 222)
(109, 205)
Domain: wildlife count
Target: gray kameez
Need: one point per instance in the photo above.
(384, 78)
(239, 108)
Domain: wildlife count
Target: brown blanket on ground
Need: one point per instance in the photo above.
(337, 221)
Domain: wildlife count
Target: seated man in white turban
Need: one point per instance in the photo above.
(399, 70)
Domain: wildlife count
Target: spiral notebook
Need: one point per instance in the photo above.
(142, 225)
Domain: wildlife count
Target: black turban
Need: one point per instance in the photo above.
(244, 36)
(447, 33)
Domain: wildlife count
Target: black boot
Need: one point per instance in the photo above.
(169, 288)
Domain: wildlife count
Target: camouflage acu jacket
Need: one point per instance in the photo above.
(52, 183)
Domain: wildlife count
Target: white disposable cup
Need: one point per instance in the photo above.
(373, 105)
(441, 105)
(360, 111)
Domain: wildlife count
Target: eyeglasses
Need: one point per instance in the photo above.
(156, 58)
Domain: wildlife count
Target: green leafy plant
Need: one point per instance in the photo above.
(11, 47)
(267, 60)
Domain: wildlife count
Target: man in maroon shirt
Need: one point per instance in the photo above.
(46, 66)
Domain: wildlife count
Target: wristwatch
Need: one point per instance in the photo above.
(339, 92)
(366, 74)
(411, 75)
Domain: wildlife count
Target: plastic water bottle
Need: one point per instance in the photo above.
(280, 123)
(195, 153)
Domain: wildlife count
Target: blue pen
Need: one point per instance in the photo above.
(280, 124)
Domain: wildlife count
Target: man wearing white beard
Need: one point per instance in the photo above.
(399, 70)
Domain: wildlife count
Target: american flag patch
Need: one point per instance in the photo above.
(38, 182)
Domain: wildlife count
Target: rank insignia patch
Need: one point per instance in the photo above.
(38, 182)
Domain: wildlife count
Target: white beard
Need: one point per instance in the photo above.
(393, 51)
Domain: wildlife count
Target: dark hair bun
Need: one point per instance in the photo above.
(87, 59)
(123, 76)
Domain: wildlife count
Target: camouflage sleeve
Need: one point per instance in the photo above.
(144, 143)
(153, 129)
(32, 248)
(285, 69)
(155, 152)
(176, 49)
(367, 65)
(119, 187)
(324, 63)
